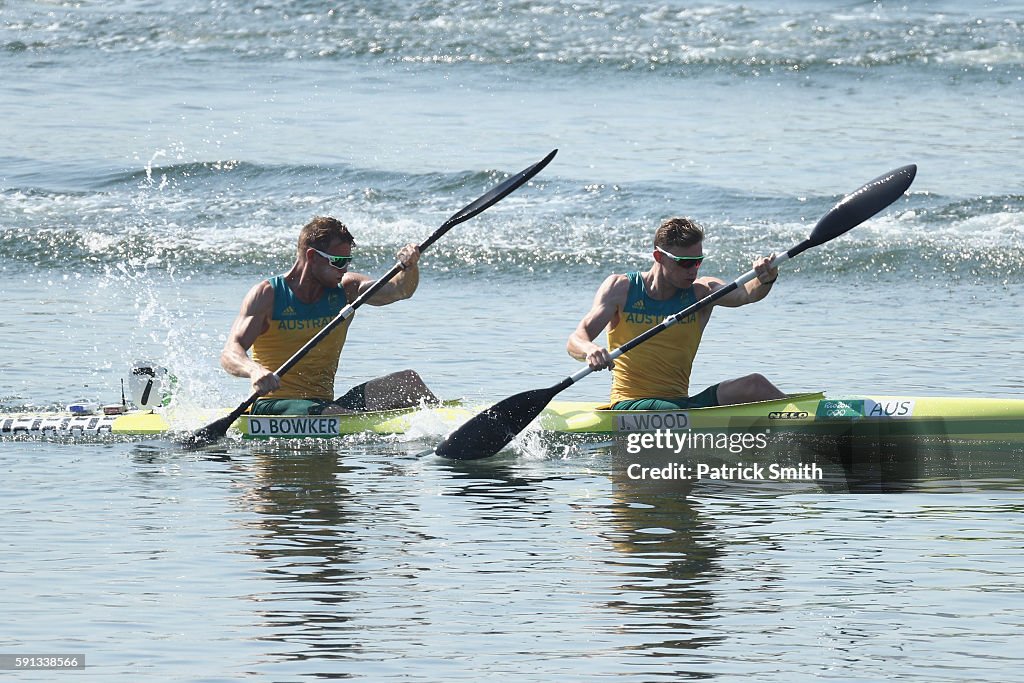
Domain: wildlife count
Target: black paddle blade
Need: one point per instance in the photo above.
(209, 434)
(862, 204)
(492, 197)
(488, 432)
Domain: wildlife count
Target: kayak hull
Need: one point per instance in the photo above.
(150, 422)
(972, 419)
(985, 419)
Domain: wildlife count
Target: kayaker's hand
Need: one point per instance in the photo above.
(409, 256)
(599, 358)
(264, 381)
(765, 275)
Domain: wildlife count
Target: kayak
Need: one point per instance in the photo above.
(953, 418)
(150, 422)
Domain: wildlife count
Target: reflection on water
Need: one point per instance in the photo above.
(364, 560)
(666, 559)
(637, 566)
(303, 533)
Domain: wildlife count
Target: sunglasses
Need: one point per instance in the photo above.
(339, 262)
(684, 261)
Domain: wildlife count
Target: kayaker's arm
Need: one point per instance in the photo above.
(608, 301)
(252, 321)
(402, 286)
(751, 292)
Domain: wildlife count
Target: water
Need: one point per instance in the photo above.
(159, 159)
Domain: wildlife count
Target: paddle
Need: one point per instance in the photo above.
(488, 432)
(215, 430)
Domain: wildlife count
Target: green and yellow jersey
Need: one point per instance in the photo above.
(292, 324)
(660, 367)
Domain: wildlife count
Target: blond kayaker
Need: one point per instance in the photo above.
(656, 374)
(279, 315)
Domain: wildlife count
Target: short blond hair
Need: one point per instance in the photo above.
(321, 231)
(678, 232)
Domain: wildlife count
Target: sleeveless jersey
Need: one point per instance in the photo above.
(292, 324)
(660, 367)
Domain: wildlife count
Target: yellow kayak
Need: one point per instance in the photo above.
(990, 419)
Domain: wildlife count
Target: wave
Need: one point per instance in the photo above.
(241, 217)
(675, 38)
(26, 180)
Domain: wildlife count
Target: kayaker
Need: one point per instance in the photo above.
(281, 314)
(655, 375)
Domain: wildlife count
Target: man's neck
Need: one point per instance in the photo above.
(657, 285)
(305, 287)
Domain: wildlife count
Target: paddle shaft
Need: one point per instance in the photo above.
(678, 317)
(849, 212)
(347, 312)
(493, 196)
(343, 315)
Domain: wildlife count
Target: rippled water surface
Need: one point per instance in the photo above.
(158, 159)
(359, 558)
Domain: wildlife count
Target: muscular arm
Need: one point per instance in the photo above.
(402, 286)
(608, 301)
(749, 293)
(253, 320)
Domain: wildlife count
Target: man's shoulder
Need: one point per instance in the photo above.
(353, 282)
(617, 282)
(706, 285)
(262, 293)
(615, 289)
(266, 287)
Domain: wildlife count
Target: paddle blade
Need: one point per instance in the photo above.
(492, 197)
(488, 432)
(862, 204)
(209, 434)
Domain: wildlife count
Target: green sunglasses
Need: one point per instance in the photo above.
(339, 262)
(684, 261)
